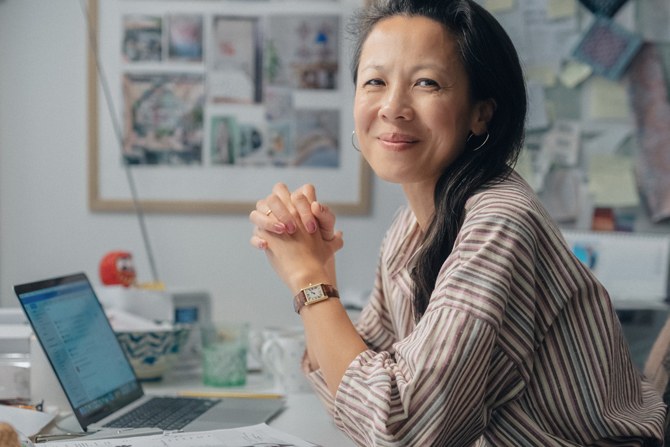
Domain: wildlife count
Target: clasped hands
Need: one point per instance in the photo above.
(298, 235)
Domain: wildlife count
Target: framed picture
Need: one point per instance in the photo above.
(216, 102)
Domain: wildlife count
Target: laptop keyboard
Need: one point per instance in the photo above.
(167, 413)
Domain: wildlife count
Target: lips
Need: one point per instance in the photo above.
(398, 138)
(397, 142)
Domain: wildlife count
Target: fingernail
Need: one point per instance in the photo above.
(311, 227)
(279, 228)
(290, 227)
(321, 207)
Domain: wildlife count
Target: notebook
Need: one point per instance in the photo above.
(99, 382)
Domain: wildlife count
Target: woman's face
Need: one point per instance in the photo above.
(412, 109)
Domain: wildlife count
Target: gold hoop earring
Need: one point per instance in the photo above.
(352, 140)
(481, 145)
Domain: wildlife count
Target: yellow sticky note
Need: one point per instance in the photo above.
(498, 5)
(542, 73)
(607, 99)
(574, 73)
(561, 8)
(611, 181)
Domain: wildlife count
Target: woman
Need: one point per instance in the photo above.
(482, 328)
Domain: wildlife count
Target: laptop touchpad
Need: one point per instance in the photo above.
(236, 412)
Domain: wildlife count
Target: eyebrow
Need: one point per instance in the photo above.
(416, 68)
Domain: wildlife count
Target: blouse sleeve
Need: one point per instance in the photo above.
(374, 326)
(441, 383)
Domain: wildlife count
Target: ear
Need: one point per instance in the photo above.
(482, 115)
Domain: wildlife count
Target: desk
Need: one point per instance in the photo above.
(304, 415)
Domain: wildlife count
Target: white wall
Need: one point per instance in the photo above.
(46, 228)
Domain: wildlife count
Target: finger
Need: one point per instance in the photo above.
(268, 223)
(281, 212)
(309, 192)
(337, 242)
(264, 208)
(281, 190)
(302, 206)
(326, 220)
(258, 243)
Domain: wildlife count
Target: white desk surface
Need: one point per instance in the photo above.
(304, 415)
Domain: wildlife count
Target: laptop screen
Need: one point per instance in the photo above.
(76, 337)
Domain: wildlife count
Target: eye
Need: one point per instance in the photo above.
(426, 83)
(375, 82)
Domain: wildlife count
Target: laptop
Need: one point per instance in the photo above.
(99, 382)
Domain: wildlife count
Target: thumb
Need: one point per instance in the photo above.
(326, 220)
(337, 242)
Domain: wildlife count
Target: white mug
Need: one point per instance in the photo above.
(282, 354)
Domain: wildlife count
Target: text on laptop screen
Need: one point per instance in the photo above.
(75, 333)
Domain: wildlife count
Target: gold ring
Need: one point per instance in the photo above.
(268, 213)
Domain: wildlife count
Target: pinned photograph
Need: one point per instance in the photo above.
(302, 52)
(317, 138)
(223, 140)
(163, 118)
(185, 37)
(280, 146)
(608, 48)
(278, 103)
(236, 74)
(142, 38)
(235, 143)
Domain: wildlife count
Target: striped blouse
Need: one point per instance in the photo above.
(519, 345)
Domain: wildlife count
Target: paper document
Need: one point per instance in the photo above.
(498, 5)
(612, 182)
(544, 74)
(574, 73)
(561, 143)
(537, 111)
(561, 8)
(607, 99)
(256, 435)
(28, 422)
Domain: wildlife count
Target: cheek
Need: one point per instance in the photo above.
(364, 113)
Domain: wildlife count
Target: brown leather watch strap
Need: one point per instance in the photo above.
(300, 300)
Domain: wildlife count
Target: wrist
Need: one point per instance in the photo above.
(303, 279)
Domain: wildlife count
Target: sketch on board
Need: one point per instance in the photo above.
(235, 74)
(185, 37)
(142, 38)
(302, 51)
(163, 118)
(237, 143)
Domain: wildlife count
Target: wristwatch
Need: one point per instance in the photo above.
(313, 294)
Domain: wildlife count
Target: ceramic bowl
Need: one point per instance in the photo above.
(151, 353)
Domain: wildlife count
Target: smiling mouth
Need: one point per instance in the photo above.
(397, 141)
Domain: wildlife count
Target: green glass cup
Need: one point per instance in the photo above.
(224, 353)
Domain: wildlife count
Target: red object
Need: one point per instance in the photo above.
(117, 267)
(603, 220)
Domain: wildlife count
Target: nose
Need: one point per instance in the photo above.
(397, 105)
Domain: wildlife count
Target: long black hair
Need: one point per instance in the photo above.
(494, 72)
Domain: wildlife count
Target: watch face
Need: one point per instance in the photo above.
(314, 293)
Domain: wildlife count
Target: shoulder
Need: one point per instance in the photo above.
(511, 195)
(508, 207)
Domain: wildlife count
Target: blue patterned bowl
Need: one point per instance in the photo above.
(152, 353)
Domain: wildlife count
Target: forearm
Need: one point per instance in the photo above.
(311, 355)
(332, 340)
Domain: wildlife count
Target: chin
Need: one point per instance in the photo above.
(399, 176)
